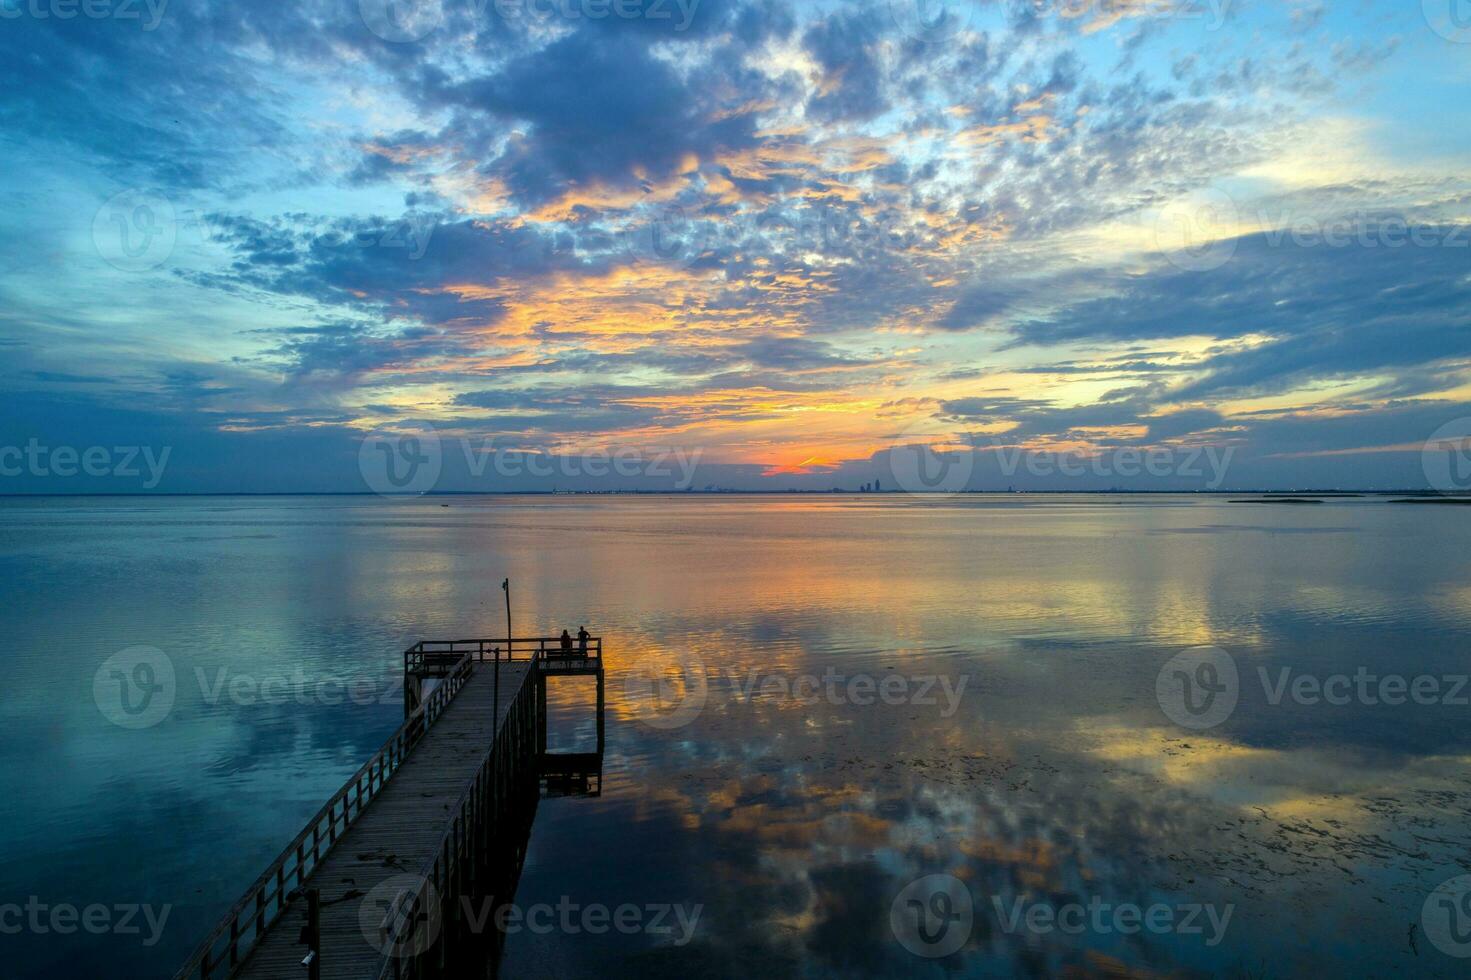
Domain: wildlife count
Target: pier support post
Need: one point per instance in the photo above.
(600, 711)
(541, 713)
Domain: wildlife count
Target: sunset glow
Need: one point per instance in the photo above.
(788, 237)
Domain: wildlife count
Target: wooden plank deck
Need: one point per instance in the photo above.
(397, 834)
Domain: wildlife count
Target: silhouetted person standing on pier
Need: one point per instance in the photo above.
(582, 637)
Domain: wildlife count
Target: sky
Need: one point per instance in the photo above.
(617, 244)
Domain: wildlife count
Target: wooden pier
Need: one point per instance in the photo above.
(391, 875)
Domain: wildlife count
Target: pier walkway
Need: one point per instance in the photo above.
(376, 884)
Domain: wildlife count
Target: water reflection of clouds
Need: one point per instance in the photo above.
(1044, 793)
(834, 828)
(796, 823)
(843, 834)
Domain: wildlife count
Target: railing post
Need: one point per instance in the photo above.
(413, 693)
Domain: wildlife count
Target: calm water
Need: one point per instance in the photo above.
(790, 818)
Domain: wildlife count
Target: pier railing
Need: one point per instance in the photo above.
(267, 899)
(432, 656)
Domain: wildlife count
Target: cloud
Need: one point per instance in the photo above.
(1317, 311)
(599, 111)
(849, 87)
(782, 233)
